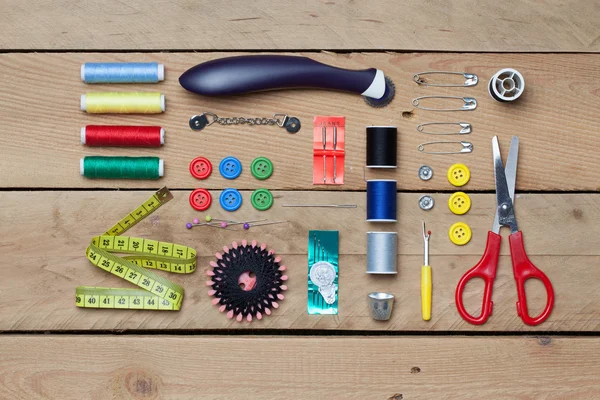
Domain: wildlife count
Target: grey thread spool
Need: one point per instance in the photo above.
(382, 250)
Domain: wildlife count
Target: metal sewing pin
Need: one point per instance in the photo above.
(226, 224)
(321, 205)
(248, 225)
(324, 156)
(334, 156)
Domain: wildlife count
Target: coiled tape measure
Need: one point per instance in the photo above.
(158, 293)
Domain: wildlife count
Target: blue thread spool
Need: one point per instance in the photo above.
(381, 200)
(122, 72)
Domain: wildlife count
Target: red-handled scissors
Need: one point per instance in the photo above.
(523, 269)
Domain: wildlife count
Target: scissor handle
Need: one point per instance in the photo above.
(523, 269)
(486, 270)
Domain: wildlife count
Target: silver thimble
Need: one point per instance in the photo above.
(381, 305)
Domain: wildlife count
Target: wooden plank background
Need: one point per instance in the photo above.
(269, 368)
(463, 25)
(553, 120)
(62, 226)
(49, 213)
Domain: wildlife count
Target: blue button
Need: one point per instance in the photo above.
(230, 199)
(230, 167)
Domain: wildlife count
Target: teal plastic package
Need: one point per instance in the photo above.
(323, 268)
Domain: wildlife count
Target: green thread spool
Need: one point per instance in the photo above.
(123, 103)
(122, 167)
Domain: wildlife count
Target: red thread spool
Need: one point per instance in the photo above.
(123, 136)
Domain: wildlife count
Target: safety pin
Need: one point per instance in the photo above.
(470, 79)
(469, 103)
(465, 128)
(467, 147)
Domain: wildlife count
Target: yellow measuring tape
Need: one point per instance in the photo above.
(158, 293)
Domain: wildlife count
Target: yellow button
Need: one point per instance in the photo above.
(459, 233)
(459, 174)
(459, 203)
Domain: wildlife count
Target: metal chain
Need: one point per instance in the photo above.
(249, 121)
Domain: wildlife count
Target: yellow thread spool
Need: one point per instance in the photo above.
(123, 103)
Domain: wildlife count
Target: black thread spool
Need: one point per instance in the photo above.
(382, 146)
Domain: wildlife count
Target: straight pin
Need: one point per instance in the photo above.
(321, 205)
(266, 223)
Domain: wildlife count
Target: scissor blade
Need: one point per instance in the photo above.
(504, 204)
(510, 170)
(511, 167)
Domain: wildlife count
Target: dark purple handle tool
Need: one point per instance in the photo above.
(245, 74)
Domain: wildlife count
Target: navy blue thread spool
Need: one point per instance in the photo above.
(382, 146)
(381, 200)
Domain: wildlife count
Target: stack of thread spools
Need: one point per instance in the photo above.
(381, 199)
(382, 247)
(122, 135)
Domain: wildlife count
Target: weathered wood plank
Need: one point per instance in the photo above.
(555, 119)
(275, 367)
(346, 25)
(43, 253)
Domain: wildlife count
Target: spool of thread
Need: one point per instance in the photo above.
(382, 250)
(122, 167)
(122, 136)
(381, 200)
(122, 72)
(123, 102)
(382, 146)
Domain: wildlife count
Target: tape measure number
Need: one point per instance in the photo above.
(144, 254)
(132, 299)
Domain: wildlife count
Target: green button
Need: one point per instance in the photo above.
(261, 168)
(261, 199)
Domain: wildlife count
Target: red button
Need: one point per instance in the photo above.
(200, 199)
(200, 168)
